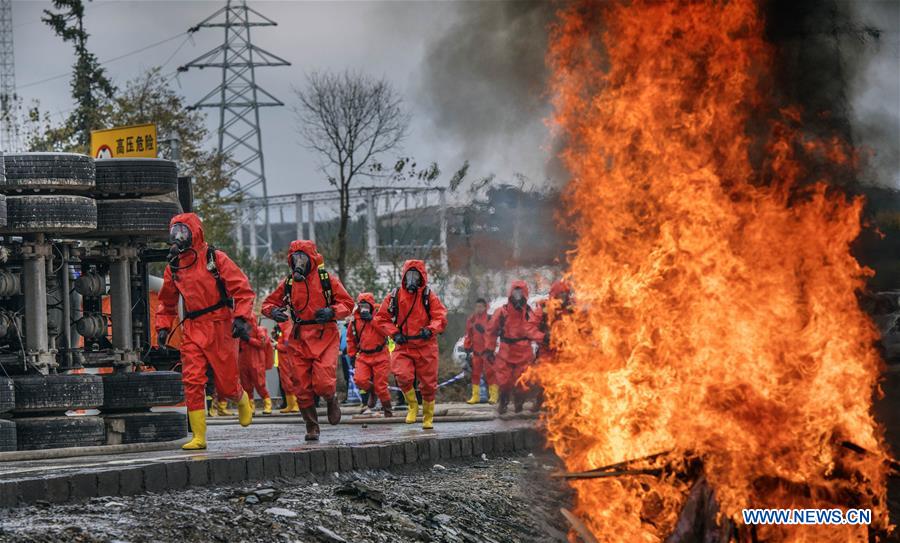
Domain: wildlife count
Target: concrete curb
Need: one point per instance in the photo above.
(72, 452)
(181, 473)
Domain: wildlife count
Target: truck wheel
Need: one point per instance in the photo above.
(125, 428)
(48, 172)
(7, 395)
(56, 432)
(50, 214)
(141, 390)
(7, 435)
(119, 177)
(57, 393)
(134, 218)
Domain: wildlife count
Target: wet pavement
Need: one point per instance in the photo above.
(281, 433)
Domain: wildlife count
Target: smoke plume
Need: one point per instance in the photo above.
(484, 82)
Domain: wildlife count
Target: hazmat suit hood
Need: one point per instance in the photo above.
(560, 287)
(308, 247)
(192, 221)
(518, 284)
(369, 298)
(418, 265)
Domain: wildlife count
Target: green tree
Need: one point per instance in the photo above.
(89, 82)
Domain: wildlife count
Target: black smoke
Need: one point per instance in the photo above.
(484, 84)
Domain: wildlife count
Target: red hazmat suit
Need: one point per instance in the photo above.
(516, 329)
(313, 348)
(285, 371)
(253, 360)
(476, 343)
(561, 298)
(416, 357)
(207, 338)
(368, 344)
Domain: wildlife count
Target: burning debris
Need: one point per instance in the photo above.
(713, 267)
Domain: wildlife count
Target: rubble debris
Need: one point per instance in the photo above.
(503, 500)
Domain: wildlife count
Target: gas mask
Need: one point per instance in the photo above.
(300, 265)
(517, 298)
(365, 311)
(179, 238)
(412, 280)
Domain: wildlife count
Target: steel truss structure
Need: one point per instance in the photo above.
(378, 202)
(238, 99)
(8, 136)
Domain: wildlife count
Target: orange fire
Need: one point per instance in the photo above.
(717, 316)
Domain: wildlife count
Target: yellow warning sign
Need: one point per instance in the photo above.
(124, 142)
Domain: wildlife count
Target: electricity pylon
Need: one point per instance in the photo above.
(8, 136)
(238, 99)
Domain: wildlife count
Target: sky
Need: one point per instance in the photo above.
(381, 39)
(470, 73)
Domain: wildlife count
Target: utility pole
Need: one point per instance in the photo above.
(238, 99)
(8, 136)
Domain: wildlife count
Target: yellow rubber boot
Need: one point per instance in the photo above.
(428, 415)
(412, 406)
(295, 407)
(493, 394)
(476, 395)
(245, 410)
(267, 406)
(223, 409)
(289, 401)
(198, 427)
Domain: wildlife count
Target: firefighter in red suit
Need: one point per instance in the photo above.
(253, 360)
(218, 307)
(367, 345)
(413, 315)
(313, 300)
(476, 347)
(281, 333)
(515, 326)
(559, 302)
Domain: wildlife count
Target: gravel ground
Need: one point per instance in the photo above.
(491, 500)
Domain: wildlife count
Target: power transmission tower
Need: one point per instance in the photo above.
(8, 134)
(238, 99)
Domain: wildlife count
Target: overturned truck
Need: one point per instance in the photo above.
(76, 249)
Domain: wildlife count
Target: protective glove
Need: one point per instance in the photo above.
(324, 315)
(425, 333)
(399, 338)
(279, 314)
(161, 338)
(479, 328)
(240, 329)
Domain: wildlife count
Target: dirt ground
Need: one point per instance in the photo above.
(489, 500)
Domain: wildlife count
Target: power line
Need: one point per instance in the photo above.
(114, 59)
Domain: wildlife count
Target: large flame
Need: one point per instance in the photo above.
(718, 319)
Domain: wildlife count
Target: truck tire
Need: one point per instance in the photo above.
(40, 433)
(142, 218)
(146, 427)
(50, 214)
(118, 177)
(7, 395)
(48, 172)
(57, 393)
(141, 390)
(7, 435)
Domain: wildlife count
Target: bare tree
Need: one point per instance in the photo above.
(350, 119)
